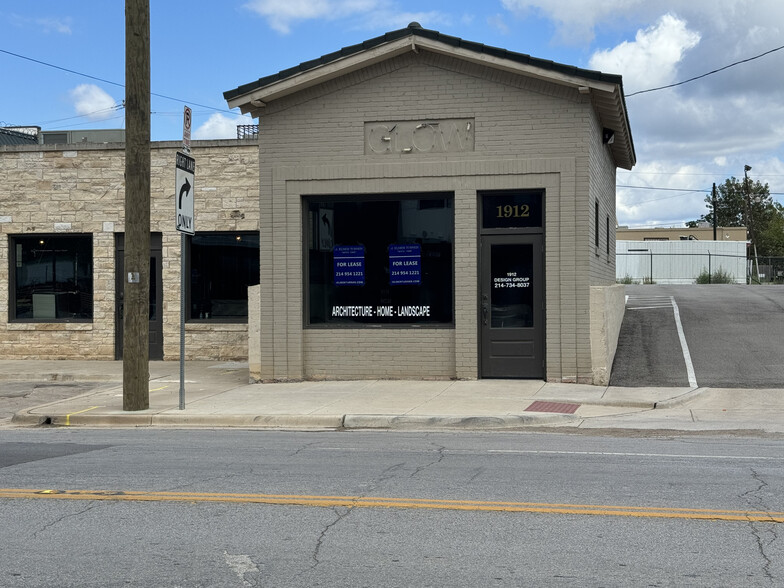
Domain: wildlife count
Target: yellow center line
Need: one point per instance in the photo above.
(68, 416)
(161, 388)
(402, 503)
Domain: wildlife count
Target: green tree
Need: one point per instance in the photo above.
(739, 204)
(770, 238)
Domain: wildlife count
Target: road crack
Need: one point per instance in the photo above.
(60, 519)
(764, 534)
(419, 469)
(325, 531)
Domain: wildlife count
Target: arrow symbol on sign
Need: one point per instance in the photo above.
(186, 187)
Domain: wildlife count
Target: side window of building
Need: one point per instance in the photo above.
(51, 278)
(222, 266)
(380, 260)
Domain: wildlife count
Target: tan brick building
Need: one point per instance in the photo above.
(435, 208)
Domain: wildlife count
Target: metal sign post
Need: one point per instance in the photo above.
(184, 173)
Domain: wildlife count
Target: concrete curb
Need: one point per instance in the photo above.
(369, 421)
(147, 419)
(349, 421)
(645, 404)
(680, 400)
(60, 377)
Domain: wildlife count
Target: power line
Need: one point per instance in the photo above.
(705, 74)
(657, 189)
(84, 75)
(114, 108)
(681, 190)
(682, 173)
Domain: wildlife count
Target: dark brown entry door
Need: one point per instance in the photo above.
(511, 307)
(156, 296)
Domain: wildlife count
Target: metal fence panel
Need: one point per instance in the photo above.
(679, 262)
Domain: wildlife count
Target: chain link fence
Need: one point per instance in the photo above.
(768, 270)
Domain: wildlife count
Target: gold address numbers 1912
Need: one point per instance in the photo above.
(513, 211)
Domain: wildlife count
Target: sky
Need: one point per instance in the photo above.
(62, 66)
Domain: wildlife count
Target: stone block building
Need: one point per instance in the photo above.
(61, 241)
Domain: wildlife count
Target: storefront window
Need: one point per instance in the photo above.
(52, 277)
(222, 266)
(380, 260)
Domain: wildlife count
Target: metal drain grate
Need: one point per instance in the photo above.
(560, 407)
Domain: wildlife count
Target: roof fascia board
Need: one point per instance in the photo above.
(323, 73)
(363, 59)
(512, 66)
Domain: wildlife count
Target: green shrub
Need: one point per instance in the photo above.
(627, 279)
(717, 277)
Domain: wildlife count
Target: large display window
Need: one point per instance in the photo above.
(222, 266)
(380, 260)
(51, 278)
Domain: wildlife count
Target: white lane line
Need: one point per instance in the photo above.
(630, 454)
(684, 345)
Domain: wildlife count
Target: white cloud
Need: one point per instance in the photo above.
(45, 24)
(498, 22)
(91, 101)
(219, 126)
(652, 58)
(575, 20)
(58, 25)
(390, 20)
(668, 194)
(282, 14)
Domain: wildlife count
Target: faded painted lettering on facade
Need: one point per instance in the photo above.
(424, 136)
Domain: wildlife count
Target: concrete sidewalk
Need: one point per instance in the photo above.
(217, 394)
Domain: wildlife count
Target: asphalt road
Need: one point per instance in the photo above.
(243, 508)
(732, 337)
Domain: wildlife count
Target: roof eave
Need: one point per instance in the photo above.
(384, 51)
(606, 90)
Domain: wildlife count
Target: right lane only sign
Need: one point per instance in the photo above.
(183, 193)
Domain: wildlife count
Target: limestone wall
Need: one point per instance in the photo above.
(79, 189)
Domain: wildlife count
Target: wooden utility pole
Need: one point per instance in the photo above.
(715, 214)
(136, 325)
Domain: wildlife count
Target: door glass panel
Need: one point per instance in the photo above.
(153, 290)
(511, 286)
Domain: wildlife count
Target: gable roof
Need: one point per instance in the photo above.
(606, 89)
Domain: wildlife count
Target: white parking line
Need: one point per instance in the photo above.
(684, 345)
(653, 302)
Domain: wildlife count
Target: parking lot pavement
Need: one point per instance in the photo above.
(712, 335)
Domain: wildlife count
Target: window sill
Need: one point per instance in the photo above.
(208, 325)
(52, 326)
